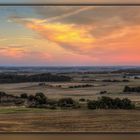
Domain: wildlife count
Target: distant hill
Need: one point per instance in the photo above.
(63, 69)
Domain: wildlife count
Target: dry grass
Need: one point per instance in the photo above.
(72, 121)
(22, 119)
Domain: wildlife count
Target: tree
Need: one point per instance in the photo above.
(40, 98)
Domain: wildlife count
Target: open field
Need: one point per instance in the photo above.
(51, 89)
(72, 120)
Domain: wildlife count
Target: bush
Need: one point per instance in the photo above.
(92, 104)
(103, 92)
(2, 93)
(53, 107)
(131, 89)
(81, 86)
(52, 102)
(82, 100)
(127, 104)
(125, 80)
(136, 77)
(19, 102)
(24, 96)
(42, 84)
(126, 89)
(117, 103)
(59, 86)
(68, 103)
(31, 98)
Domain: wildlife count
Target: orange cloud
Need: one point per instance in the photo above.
(70, 36)
(23, 55)
(120, 45)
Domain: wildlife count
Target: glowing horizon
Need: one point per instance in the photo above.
(69, 36)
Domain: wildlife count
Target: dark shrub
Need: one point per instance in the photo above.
(24, 95)
(53, 107)
(2, 93)
(124, 76)
(127, 104)
(92, 104)
(117, 103)
(52, 102)
(71, 86)
(103, 92)
(42, 84)
(31, 98)
(136, 77)
(81, 86)
(126, 89)
(82, 100)
(131, 89)
(19, 102)
(68, 102)
(105, 102)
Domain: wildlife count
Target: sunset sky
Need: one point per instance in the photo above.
(69, 1)
(69, 36)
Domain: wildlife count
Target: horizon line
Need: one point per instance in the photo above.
(71, 4)
(70, 66)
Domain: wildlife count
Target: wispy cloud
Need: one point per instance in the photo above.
(79, 10)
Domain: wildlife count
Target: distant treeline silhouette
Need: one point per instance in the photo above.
(46, 77)
(128, 71)
(115, 80)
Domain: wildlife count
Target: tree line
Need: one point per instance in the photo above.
(110, 103)
(46, 77)
(39, 100)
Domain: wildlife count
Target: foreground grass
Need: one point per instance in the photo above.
(10, 110)
(70, 121)
(14, 110)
